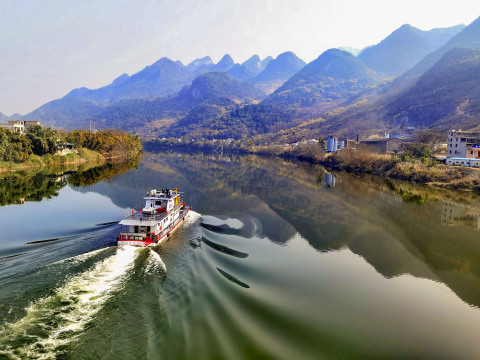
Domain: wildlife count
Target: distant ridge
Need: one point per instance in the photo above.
(446, 96)
(403, 48)
(469, 37)
(281, 68)
(249, 69)
(277, 71)
(224, 64)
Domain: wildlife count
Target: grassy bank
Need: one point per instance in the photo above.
(39, 147)
(52, 161)
(424, 170)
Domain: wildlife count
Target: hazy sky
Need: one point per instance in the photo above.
(48, 48)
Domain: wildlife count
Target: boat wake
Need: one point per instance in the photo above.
(192, 217)
(55, 320)
(154, 260)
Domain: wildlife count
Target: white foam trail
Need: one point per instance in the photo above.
(153, 261)
(192, 217)
(71, 307)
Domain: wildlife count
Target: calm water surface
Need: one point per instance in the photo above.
(278, 260)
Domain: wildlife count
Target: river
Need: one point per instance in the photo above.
(277, 260)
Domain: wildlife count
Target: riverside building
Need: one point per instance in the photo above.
(463, 148)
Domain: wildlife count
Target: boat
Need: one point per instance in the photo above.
(162, 214)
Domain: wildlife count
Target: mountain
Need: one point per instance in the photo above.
(209, 97)
(3, 117)
(131, 114)
(198, 63)
(334, 76)
(219, 84)
(224, 64)
(159, 79)
(265, 62)
(164, 77)
(249, 69)
(352, 50)
(246, 70)
(447, 96)
(469, 37)
(403, 48)
(279, 70)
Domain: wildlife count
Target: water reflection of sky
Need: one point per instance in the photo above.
(69, 213)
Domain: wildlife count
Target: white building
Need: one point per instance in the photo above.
(19, 126)
(463, 148)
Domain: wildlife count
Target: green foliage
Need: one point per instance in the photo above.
(14, 146)
(43, 139)
(39, 145)
(417, 151)
(109, 142)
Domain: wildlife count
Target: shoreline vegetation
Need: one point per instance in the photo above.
(18, 187)
(415, 163)
(43, 147)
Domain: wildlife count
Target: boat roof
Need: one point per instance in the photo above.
(143, 219)
(164, 194)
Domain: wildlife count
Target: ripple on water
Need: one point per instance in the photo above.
(54, 321)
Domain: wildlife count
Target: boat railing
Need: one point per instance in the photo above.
(138, 236)
(146, 217)
(137, 214)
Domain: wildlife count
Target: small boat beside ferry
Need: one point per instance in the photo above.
(163, 213)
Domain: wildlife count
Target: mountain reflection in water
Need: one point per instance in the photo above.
(279, 260)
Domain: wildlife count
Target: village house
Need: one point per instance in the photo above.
(19, 126)
(384, 145)
(463, 148)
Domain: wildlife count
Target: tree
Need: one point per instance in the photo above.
(322, 142)
(43, 139)
(14, 146)
(418, 151)
(431, 137)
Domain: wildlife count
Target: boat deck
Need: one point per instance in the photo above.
(139, 218)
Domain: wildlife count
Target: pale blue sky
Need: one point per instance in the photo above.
(51, 47)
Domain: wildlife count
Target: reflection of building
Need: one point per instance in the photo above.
(460, 214)
(463, 148)
(330, 180)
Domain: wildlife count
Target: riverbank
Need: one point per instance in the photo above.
(42, 148)
(35, 162)
(424, 170)
(428, 171)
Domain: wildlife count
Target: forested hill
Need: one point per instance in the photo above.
(446, 96)
(220, 84)
(334, 76)
(135, 113)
